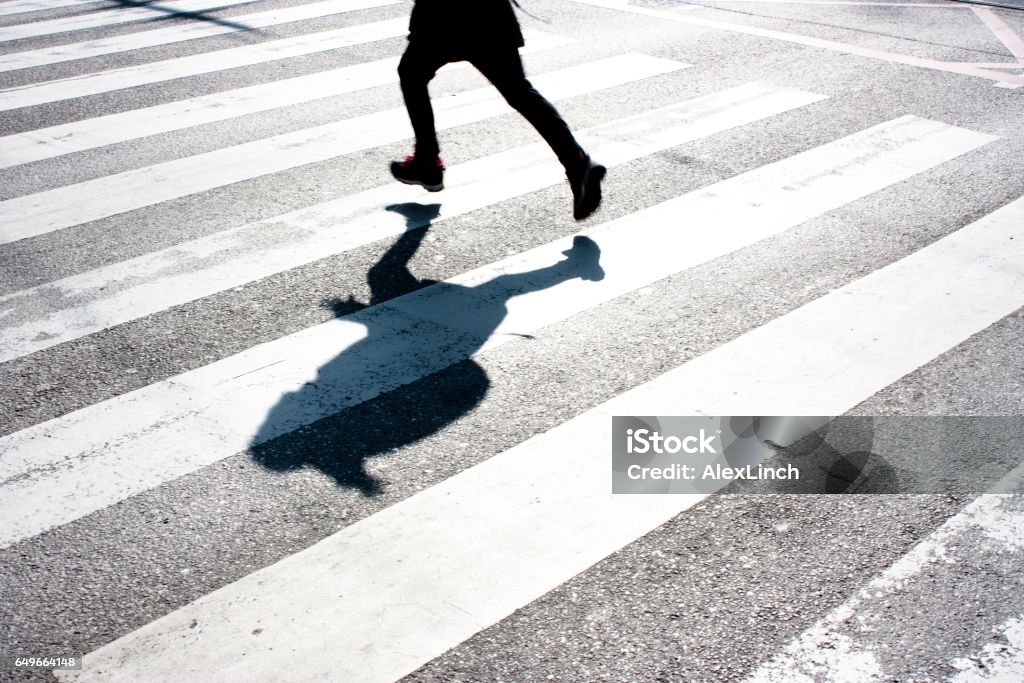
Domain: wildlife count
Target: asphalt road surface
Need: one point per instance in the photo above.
(268, 415)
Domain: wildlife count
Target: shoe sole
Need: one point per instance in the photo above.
(428, 188)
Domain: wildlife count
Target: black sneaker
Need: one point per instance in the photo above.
(586, 189)
(416, 171)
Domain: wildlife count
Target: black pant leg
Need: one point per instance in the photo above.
(417, 67)
(504, 69)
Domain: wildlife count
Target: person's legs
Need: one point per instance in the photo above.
(417, 67)
(504, 69)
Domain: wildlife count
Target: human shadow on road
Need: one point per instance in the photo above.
(410, 376)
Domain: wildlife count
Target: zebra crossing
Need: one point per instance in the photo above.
(408, 557)
(467, 531)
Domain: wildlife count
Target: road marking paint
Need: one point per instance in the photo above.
(998, 661)
(997, 65)
(827, 649)
(43, 212)
(106, 16)
(82, 304)
(195, 65)
(68, 467)
(179, 33)
(1002, 31)
(796, 38)
(409, 583)
(46, 143)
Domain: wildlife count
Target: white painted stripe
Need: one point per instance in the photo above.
(78, 136)
(44, 212)
(179, 33)
(999, 65)
(1001, 662)
(194, 65)
(827, 651)
(1006, 35)
(411, 582)
(22, 6)
(111, 17)
(68, 467)
(44, 316)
